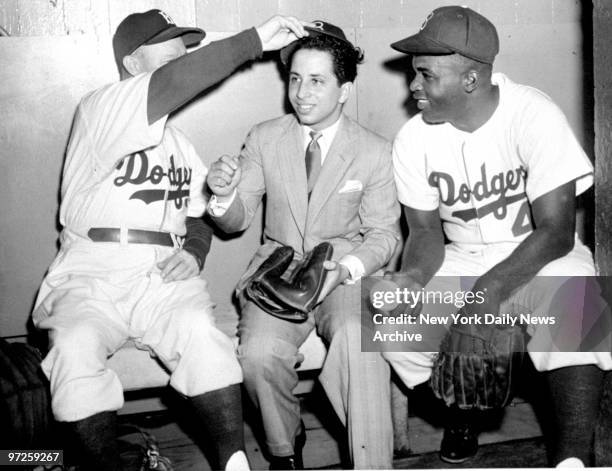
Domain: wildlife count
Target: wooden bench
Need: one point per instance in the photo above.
(138, 369)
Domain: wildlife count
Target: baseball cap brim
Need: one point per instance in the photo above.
(285, 52)
(191, 36)
(418, 44)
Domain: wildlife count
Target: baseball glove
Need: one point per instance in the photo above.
(290, 298)
(274, 266)
(302, 290)
(477, 366)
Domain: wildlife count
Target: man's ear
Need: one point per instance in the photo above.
(345, 91)
(471, 80)
(132, 65)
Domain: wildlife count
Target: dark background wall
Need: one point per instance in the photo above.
(60, 49)
(602, 32)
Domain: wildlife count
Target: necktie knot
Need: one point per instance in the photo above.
(314, 137)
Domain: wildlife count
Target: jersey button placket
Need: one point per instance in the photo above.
(464, 156)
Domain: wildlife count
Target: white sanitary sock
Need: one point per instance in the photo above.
(237, 462)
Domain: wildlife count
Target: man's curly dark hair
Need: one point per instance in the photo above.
(345, 57)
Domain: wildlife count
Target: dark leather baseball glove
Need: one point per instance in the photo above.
(294, 297)
(477, 366)
(275, 265)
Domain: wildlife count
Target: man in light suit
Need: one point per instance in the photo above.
(327, 179)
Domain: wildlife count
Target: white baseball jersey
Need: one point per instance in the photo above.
(483, 182)
(122, 172)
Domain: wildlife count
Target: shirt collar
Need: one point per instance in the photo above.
(327, 134)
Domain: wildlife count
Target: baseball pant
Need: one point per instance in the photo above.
(98, 295)
(357, 383)
(414, 367)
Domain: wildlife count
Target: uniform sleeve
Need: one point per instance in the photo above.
(198, 239)
(410, 169)
(116, 123)
(182, 79)
(550, 150)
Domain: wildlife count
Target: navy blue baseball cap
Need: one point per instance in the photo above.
(453, 29)
(151, 27)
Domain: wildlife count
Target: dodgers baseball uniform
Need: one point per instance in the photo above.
(483, 184)
(122, 172)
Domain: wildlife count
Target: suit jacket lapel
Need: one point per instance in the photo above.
(290, 156)
(337, 162)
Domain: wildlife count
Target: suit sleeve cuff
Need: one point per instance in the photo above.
(217, 208)
(355, 268)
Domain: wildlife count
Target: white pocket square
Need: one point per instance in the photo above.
(350, 186)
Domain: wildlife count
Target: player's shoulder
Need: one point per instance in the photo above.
(416, 129)
(93, 97)
(175, 131)
(522, 99)
(414, 123)
(124, 90)
(517, 90)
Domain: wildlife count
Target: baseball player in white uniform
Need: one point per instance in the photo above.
(133, 242)
(493, 166)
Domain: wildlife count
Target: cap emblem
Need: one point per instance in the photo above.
(166, 17)
(429, 17)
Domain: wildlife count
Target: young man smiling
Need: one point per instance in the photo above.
(326, 179)
(495, 167)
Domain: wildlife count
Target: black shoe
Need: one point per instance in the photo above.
(294, 461)
(284, 462)
(459, 444)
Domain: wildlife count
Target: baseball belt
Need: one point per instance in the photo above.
(135, 236)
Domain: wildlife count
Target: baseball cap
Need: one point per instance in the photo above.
(319, 28)
(151, 27)
(454, 29)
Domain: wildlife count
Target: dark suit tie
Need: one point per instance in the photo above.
(313, 160)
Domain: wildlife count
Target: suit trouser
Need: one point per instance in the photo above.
(357, 383)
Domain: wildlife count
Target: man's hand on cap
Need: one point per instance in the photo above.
(279, 31)
(224, 175)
